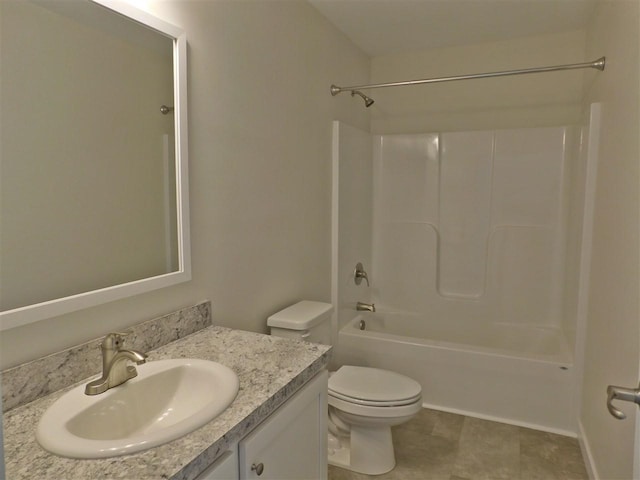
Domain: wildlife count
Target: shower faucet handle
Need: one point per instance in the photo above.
(359, 274)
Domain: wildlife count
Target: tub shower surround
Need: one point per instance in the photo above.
(473, 225)
(472, 241)
(270, 370)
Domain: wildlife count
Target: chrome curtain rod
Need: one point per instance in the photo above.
(597, 64)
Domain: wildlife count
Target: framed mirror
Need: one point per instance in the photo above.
(93, 160)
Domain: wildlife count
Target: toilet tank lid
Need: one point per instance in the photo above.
(300, 316)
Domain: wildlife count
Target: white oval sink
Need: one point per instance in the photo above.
(168, 399)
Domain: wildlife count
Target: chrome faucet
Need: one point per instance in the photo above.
(115, 370)
(365, 307)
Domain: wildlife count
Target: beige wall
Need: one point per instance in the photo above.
(483, 104)
(613, 314)
(260, 117)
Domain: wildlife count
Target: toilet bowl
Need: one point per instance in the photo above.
(364, 403)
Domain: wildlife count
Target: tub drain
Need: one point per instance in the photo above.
(362, 325)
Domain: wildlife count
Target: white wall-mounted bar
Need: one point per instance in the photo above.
(597, 64)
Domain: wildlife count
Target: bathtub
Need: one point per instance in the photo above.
(503, 372)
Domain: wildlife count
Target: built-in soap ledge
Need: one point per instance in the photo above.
(30, 381)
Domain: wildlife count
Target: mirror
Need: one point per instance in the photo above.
(93, 175)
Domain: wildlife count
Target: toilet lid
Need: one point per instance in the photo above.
(373, 386)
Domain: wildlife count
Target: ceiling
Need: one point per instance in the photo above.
(384, 27)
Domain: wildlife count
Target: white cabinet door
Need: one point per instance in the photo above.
(292, 443)
(224, 468)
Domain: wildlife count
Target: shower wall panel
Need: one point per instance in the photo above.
(576, 195)
(352, 216)
(472, 224)
(465, 207)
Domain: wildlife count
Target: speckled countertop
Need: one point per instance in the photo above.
(270, 370)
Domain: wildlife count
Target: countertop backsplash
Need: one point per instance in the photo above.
(32, 380)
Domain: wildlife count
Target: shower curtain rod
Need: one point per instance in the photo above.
(597, 64)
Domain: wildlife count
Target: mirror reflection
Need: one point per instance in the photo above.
(88, 182)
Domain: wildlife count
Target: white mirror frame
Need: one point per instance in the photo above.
(52, 308)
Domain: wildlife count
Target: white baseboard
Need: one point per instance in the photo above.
(586, 453)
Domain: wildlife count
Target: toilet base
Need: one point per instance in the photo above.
(365, 450)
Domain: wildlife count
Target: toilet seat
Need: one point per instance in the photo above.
(372, 403)
(373, 387)
(375, 412)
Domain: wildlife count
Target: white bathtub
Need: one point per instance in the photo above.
(509, 373)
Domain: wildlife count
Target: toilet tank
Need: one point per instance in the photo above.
(306, 320)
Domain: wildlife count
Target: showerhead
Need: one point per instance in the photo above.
(368, 101)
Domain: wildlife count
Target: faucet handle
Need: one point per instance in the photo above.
(359, 274)
(114, 340)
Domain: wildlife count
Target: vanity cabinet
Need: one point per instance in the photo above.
(290, 444)
(224, 468)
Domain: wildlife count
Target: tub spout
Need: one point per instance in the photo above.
(365, 307)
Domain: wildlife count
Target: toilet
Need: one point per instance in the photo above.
(364, 402)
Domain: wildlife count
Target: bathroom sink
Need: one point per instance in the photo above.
(168, 399)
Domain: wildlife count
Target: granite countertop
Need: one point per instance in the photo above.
(270, 370)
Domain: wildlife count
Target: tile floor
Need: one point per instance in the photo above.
(443, 446)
